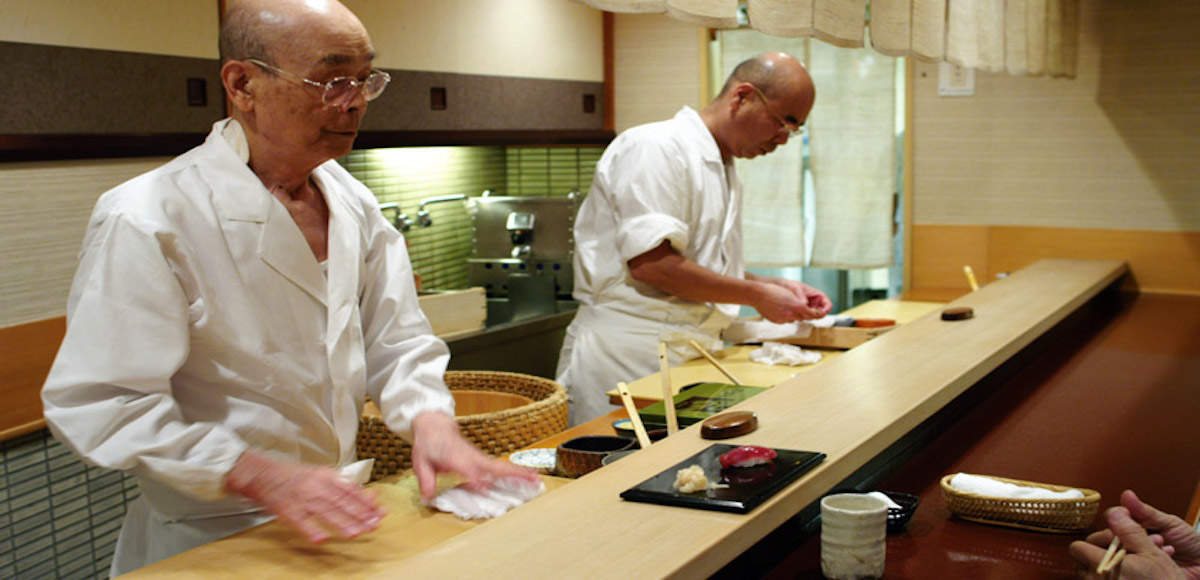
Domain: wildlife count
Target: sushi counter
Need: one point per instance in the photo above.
(855, 409)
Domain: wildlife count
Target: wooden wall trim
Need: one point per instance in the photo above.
(29, 350)
(1165, 262)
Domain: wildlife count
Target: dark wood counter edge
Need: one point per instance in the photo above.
(19, 147)
(1086, 321)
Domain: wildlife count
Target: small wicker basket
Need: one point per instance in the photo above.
(496, 433)
(1063, 516)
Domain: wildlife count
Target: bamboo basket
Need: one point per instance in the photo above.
(496, 432)
(1062, 516)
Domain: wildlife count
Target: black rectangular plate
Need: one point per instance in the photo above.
(748, 486)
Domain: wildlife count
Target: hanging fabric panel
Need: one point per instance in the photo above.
(708, 13)
(975, 34)
(853, 157)
(915, 28)
(787, 18)
(840, 22)
(1021, 36)
(629, 6)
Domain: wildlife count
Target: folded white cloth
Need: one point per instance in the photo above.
(504, 495)
(981, 485)
(883, 496)
(775, 353)
(744, 331)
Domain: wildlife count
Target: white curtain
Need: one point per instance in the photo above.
(853, 156)
(1023, 37)
(772, 213)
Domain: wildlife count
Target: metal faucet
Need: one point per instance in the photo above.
(401, 220)
(423, 216)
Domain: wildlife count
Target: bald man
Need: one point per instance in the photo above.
(658, 241)
(233, 308)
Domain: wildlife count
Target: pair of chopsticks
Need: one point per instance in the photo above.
(1112, 557)
(668, 401)
(668, 392)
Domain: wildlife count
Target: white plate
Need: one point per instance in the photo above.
(541, 458)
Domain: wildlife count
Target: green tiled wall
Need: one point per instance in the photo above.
(59, 518)
(407, 175)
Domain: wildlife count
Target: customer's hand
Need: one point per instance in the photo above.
(1158, 545)
(439, 447)
(312, 500)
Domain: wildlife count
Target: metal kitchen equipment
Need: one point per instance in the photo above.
(523, 246)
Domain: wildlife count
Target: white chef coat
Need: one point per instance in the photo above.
(659, 182)
(200, 325)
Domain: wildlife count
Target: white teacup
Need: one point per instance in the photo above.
(853, 536)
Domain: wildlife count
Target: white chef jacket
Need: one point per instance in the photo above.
(659, 182)
(200, 325)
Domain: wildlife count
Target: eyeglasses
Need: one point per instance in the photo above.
(340, 91)
(792, 129)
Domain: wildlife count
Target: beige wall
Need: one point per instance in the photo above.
(547, 39)
(1114, 148)
(658, 67)
(174, 27)
(554, 39)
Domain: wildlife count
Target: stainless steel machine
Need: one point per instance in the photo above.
(523, 247)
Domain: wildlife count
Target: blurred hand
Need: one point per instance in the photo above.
(1158, 545)
(787, 301)
(439, 447)
(311, 500)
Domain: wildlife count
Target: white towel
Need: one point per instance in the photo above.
(744, 331)
(775, 353)
(981, 485)
(504, 495)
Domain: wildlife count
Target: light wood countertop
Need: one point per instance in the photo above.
(851, 408)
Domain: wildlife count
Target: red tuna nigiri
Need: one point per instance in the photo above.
(747, 455)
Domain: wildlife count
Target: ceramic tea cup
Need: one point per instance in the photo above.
(853, 536)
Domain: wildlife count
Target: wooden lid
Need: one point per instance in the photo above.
(728, 425)
(958, 313)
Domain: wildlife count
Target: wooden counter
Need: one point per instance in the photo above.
(851, 408)
(736, 359)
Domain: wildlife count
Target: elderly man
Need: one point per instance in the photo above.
(233, 308)
(658, 240)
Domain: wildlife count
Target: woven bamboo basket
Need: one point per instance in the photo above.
(1063, 516)
(496, 432)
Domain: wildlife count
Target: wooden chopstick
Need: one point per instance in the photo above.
(714, 362)
(1112, 557)
(664, 369)
(971, 278)
(638, 428)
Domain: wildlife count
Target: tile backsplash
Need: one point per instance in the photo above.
(59, 518)
(408, 175)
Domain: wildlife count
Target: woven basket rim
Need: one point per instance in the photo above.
(1089, 495)
(557, 395)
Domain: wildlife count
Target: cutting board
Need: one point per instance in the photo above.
(747, 486)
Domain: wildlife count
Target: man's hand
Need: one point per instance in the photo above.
(439, 447)
(1158, 545)
(781, 300)
(311, 500)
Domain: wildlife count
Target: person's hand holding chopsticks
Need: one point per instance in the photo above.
(1157, 545)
